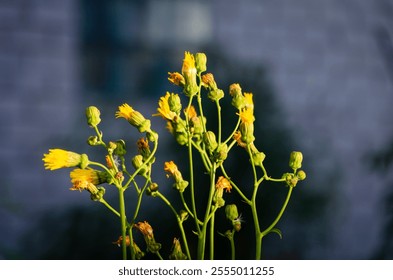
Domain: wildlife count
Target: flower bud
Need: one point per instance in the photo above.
(301, 175)
(215, 95)
(220, 153)
(183, 215)
(120, 149)
(174, 103)
(200, 62)
(290, 179)
(98, 194)
(93, 116)
(93, 141)
(231, 212)
(180, 185)
(137, 162)
(209, 138)
(295, 160)
(111, 147)
(152, 188)
(247, 132)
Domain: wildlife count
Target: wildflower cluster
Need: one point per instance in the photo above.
(191, 130)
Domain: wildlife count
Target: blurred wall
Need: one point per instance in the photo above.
(329, 64)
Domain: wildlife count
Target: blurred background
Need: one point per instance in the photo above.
(321, 73)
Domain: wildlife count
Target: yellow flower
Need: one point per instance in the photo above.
(133, 117)
(188, 64)
(176, 78)
(190, 112)
(89, 175)
(189, 73)
(249, 101)
(247, 115)
(86, 179)
(164, 109)
(58, 158)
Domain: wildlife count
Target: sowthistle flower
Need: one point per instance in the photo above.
(134, 117)
(59, 158)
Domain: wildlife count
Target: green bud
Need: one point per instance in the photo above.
(93, 116)
(97, 196)
(120, 149)
(200, 62)
(180, 185)
(209, 138)
(183, 215)
(215, 95)
(93, 141)
(151, 189)
(295, 160)
(290, 179)
(231, 212)
(301, 175)
(247, 132)
(258, 158)
(137, 162)
(238, 101)
(174, 103)
(111, 147)
(221, 153)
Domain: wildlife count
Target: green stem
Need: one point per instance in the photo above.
(266, 231)
(258, 235)
(131, 242)
(187, 208)
(179, 222)
(235, 186)
(192, 189)
(219, 120)
(147, 161)
(123, 223)
(233, 132)
(212, 220)
(202, 233)
(232, 241)
(103, 201)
